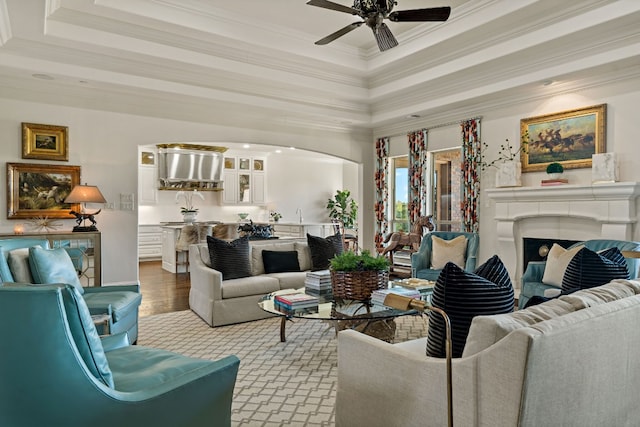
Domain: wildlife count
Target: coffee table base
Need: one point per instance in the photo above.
(383, 329)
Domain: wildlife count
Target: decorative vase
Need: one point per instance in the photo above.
(189, 217)
(509, 174)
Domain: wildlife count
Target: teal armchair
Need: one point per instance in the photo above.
(421, 260)
(57, 371)
(531, 282)
(120, 302)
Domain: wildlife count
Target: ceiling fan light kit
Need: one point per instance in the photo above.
(373, 13)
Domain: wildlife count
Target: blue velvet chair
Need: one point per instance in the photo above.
(120, 302)
(56, 371)
(421, 260)
(531, 282)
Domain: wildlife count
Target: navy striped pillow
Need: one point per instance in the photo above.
(588, 269)
(230, 258)
(463, 296)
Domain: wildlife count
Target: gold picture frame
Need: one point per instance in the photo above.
(569, 138)
(37, 190)
(45, 142)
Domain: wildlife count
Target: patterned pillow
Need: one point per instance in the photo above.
(230, 258)
(323, 249)
(463, 296)
(588, 269)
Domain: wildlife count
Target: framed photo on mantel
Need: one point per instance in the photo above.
(45, 142)
(569, 138)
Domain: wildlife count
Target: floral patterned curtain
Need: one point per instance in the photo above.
(381, 176)
(470, 180)
(417, 170)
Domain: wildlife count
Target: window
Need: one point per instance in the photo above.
(400, 194)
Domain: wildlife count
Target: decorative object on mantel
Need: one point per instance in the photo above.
(188, 211)
(507, 164)
(554, 172)
(604, 168)
(569, 137)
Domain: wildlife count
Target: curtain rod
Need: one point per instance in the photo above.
(441, 125)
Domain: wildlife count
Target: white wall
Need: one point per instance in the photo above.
(105, 145)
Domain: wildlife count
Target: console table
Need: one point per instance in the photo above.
(83, 248)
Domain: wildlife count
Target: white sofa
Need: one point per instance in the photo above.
(572, 361)
(222, 302)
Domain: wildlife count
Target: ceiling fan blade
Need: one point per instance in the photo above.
(341, 32)
(333, 6)
(417, 15)
(384, 37)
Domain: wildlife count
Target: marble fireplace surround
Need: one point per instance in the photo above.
(571, 212)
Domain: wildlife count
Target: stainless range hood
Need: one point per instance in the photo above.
(190, 166)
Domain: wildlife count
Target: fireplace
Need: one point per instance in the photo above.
(567, 212)
(536, 249)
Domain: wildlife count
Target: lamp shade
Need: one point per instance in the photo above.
(85, 194)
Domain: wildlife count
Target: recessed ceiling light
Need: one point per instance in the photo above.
(413, 116)
(547, 82)
(292, 148)
(278, 151)
(246, 146)
(42, 76)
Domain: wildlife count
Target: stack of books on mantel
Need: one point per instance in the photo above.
(318, 283)
(559, 181)
(295, 301)
(378, 296)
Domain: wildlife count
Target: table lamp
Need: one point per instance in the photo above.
(85, 194)
(405, 303)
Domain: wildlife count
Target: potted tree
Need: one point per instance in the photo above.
(343, 209)
(355, 276)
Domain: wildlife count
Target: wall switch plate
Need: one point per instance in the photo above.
(126, 201)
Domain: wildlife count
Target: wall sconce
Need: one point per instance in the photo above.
(85, 194)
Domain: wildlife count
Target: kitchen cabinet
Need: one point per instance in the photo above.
(301, 230)
(149, 242)
(244, 180)
(147, 179)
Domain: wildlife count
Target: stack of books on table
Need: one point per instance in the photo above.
(378, 296)
(296, 302)
(318, 283)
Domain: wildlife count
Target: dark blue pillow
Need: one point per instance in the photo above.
(588, 269)
(463, 296)
(280, 261)
(230, 258)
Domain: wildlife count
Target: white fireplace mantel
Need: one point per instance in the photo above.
(606, 211)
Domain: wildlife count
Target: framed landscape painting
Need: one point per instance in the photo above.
(45, 142)
(569, 138)
(35, 190)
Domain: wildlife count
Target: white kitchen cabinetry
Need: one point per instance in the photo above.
(301, 230)
(147, 179)
(149, 242)
(244, 180)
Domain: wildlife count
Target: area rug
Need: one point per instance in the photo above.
(279, 384)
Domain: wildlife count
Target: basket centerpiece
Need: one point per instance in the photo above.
(355, 276)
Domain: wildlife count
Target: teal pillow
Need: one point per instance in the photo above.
(53, 266)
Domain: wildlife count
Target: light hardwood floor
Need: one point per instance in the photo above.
(162, 291)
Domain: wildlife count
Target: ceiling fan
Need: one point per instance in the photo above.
(373, 12)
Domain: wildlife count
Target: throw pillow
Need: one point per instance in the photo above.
(18, 260)
(262, 232)
(323, 249)
(588, 269)
(462, 296)
(280, 261)
(557, 260)
(53, 266)
(230, 258)
(444, 251)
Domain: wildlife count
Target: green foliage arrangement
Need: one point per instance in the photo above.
(506, 153)
(343, 208)
(555, 167)
(351, 261)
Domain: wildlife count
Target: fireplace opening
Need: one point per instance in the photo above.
(534, 249)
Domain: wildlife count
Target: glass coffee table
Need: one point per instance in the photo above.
(372, 319)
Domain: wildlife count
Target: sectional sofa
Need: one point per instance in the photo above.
(222, 302)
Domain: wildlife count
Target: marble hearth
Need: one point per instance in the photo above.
(572, 212)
